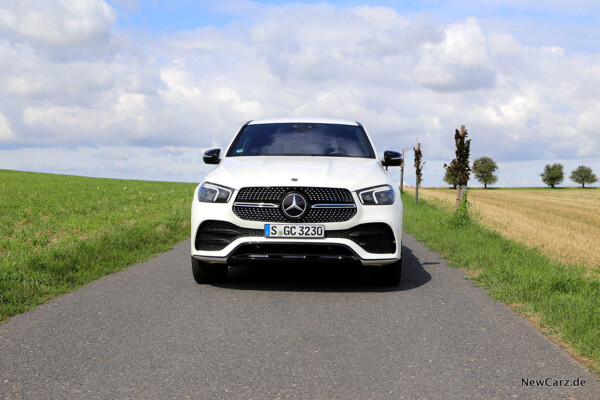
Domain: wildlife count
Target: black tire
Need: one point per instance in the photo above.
(208, 273)
(391, 274)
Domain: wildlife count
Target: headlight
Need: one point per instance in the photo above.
(378, 195)
(211, 193)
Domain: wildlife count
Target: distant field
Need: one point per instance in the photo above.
(60, 232)
(562, 223)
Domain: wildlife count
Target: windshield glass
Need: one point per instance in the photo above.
(302, 139)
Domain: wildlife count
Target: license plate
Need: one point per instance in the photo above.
(294, 231)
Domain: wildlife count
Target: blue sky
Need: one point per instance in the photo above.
(571, 24)
(139, 89)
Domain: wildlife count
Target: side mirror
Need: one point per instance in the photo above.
(391, 159)
(211, 156)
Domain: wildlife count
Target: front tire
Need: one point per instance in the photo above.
(391, 274)
(208, 273)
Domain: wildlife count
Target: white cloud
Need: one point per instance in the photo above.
(504, 44)
(460, 62)
(63, 22)
(77, 81)
(6, 133)
(90, 84)
(588, 120)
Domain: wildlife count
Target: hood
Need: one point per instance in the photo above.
(344, 172)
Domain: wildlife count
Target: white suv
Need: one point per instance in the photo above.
(297, 190)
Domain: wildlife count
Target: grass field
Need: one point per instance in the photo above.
(562, 223)
(562, 299)
(60, 232)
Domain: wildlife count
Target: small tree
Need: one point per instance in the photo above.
(449, 176)
(402, 174)
(553, 174)
(461, 169)
(418, 169)
(484, 168)
(583, 175)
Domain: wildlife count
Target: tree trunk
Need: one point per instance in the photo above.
(583, 185)
(485, 185)
(417, 195)
(402, 174)
(458, 196)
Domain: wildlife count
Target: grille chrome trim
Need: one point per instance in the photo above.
(255, 205)
(333, 206)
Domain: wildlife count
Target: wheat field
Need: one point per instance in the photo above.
(564, 224)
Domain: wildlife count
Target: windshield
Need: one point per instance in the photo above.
(302, 139)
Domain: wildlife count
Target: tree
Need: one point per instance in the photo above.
(461, 169)
(553, 174)
(449, 177)
(402, 174)
(418, 169)
(484, 168)
(583, 175)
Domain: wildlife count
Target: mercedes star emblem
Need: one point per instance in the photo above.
(294, 205)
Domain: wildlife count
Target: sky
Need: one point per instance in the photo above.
(139, 89)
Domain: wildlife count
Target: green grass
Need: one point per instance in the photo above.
(567, 303)
(59, 232)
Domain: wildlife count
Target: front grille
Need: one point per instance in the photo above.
(314, 195)
(375, 238)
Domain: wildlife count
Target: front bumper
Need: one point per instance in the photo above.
(232, 240)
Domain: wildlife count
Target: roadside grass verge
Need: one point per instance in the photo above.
(564, 301)
(59, 232)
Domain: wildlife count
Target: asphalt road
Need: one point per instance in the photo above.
(281, 333)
